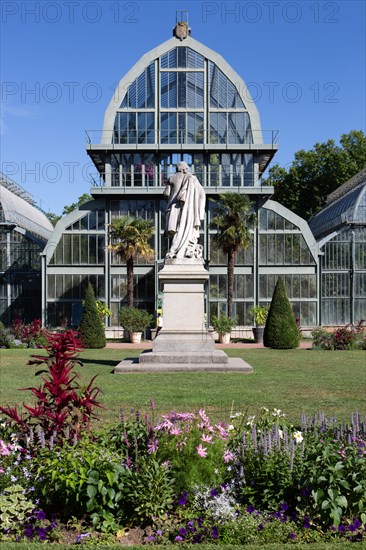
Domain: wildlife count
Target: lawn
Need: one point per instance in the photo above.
(295, 381)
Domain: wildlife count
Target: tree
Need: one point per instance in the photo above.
(130, 239)
(314, 174)
(233, 219)
(91, 326)
(85, 197)
(54, 218)
(281, 331)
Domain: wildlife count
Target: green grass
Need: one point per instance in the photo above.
(295, 381)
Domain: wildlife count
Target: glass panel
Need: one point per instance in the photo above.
(67, 248)
(51, 286)
(84, 249)
(75, 249)
(194, 59)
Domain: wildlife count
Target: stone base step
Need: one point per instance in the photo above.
(234, 364)
(191, 357)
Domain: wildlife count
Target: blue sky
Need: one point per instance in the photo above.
(303, 62)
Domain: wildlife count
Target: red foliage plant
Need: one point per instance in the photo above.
(28, 334)
(61, 401)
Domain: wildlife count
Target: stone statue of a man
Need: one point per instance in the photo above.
(185, 210)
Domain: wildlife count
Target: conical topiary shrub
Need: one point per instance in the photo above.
(281, 331)
(91, 326)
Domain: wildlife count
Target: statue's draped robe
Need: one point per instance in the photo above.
(185, 210)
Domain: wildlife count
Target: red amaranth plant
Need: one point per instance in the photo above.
(32, 334)
(61, 401)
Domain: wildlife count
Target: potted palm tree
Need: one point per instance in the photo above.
(260, 315)
(223, 325)
(135, 321)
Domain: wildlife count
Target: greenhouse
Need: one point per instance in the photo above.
(24, 231)
(181, 101)
(340, 229)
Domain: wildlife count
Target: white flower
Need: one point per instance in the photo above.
(251, 420)
(280, 433)
(298, 437)
(230, 428)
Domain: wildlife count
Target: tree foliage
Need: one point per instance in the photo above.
(83, 199)
(314, 174)
(281, 331)
(232, 219)
(129, 239)
(91, 326)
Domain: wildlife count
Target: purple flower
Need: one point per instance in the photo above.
(28, 532)
(42, 533)
(260, 527)
(292, 536)
(182, 501)
(306, 523)
(214, 533)
(159, 532)
(41, 514)
(277, 515)
(250, 509)
(284, 506)
(178, 538)
(183, 531)
(352, 528)
(214, 493)
(305, 492)
(151, 537)
(342, 529)
(357, 523)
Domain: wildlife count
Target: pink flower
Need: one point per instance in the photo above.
(228, 456)
(153, 446)
(201, 451)
(222, 431)
(207, 439)
(175, 431)
(4, 450)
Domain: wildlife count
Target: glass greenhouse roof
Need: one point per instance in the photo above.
(16, 210)
(346, 205)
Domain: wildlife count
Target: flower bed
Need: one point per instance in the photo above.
(180, 478)
(177, 478)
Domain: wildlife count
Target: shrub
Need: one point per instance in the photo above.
(61, 401)
(91, 326)
(133, 319)
(260, 314)
(5, 339)
(223, 324)
(281, 331)
(90, 483)
(344, 338)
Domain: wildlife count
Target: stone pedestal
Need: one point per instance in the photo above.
(184, 343)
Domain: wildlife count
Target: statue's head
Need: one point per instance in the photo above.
(182, 167)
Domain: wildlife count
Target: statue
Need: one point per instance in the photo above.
(185, 210)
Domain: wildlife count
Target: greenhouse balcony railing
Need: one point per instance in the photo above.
(181, 137)
(145, 176)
